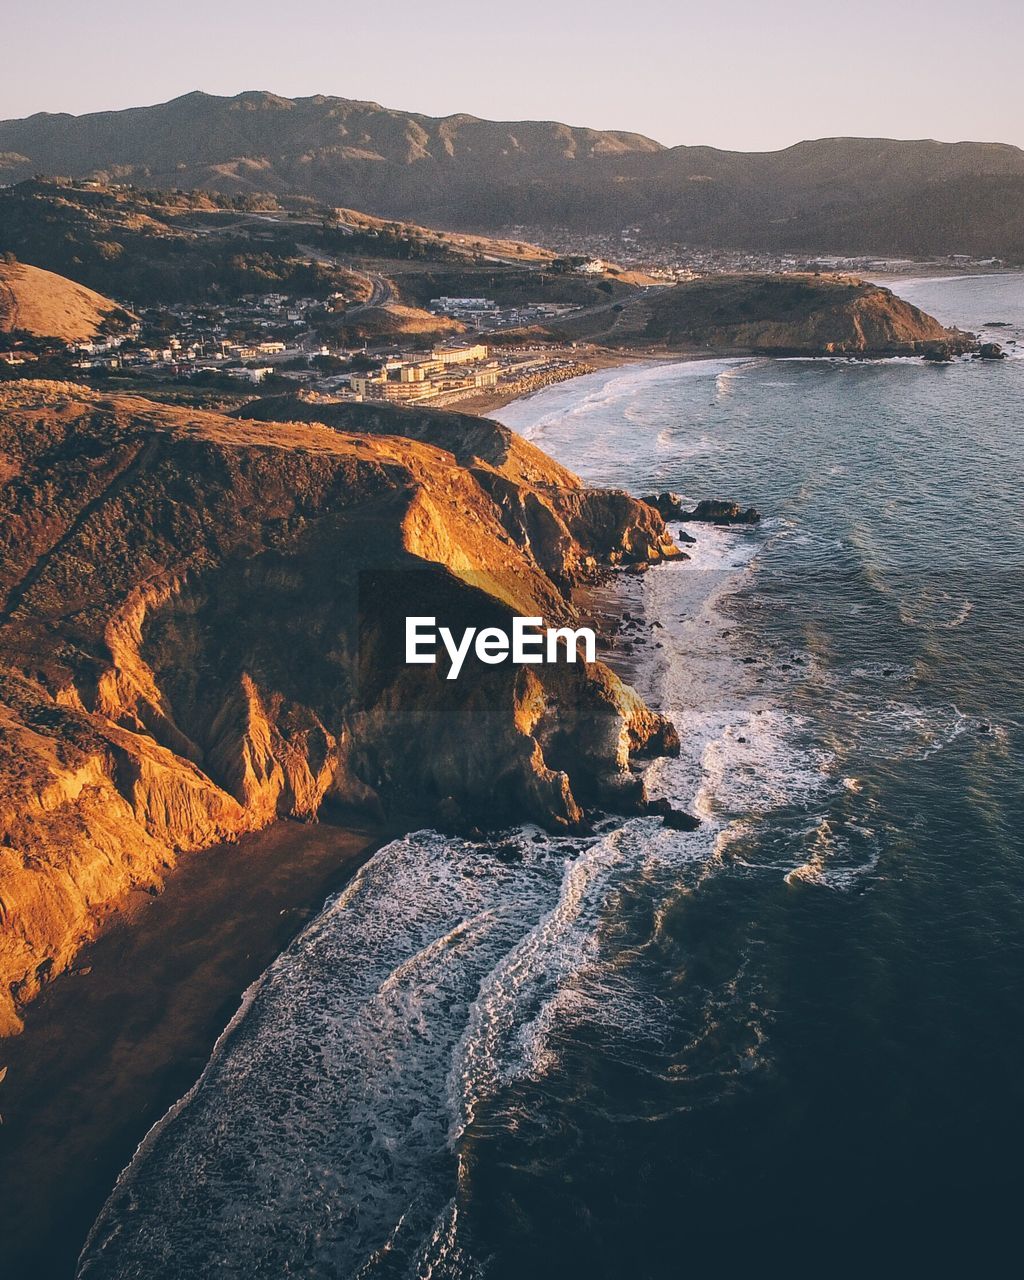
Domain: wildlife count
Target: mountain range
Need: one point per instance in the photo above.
(851, 195)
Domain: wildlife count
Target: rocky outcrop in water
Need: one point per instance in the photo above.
(717, 511)
(200, 631)
(670, 506)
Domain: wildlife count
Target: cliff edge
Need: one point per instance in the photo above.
(198, 629)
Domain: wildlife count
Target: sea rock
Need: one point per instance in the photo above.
(670, 507)
(717, 511)
(941, 353)
(677, 819)
(991, 351)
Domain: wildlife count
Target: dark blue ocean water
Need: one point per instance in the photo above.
(792, 1038)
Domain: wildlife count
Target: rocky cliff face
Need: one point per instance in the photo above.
(200, 621)
(567, 528)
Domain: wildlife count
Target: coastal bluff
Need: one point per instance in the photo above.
(198, 618)
(796, 314)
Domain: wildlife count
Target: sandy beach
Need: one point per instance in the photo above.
(111, 1045)
(595, 360)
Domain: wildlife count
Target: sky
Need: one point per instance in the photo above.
(727, 73)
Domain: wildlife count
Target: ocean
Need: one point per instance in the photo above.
(792, 1037)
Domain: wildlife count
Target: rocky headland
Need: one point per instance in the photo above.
(778, 315)
(199, 630)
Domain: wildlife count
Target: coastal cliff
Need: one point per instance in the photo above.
(198, 629)
(778, 315)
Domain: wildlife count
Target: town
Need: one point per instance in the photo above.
(670, 262)
(273, 341)
(218, 296)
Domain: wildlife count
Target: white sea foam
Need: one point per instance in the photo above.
(597, 396)
(319, 1135)
(838, 859)
(898, 673)
(895, 728)
(496, 1045)
(325, 1131)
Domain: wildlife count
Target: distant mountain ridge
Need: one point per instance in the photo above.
(857, 195)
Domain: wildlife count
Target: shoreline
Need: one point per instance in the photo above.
(111, 1045)
(597, 361)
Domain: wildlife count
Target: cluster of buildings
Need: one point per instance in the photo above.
(255, 338)
(632, 248)
(448, 369)
(246, 340)
(484, 313)
(179, 356)
(451, 373)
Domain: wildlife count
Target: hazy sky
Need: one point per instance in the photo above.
(733, 73)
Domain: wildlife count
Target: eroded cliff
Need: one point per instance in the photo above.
(198, 628)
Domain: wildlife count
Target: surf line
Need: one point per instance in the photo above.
(529, 641)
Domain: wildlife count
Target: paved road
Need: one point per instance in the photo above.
(381, 290)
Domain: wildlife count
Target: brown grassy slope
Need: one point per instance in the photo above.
(49, 306)
(188, 650)
(392, 319)
(449, 241)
